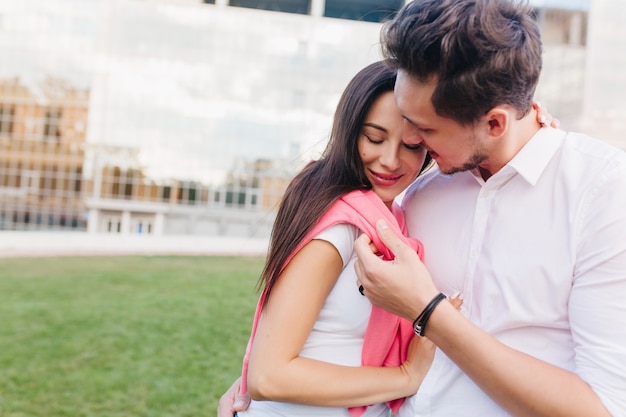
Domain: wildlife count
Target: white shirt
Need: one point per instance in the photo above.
(337, 335)
(539, 253)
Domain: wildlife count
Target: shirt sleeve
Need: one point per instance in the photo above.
(342, 237)
(597, 305)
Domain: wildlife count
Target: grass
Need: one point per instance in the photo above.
(122, 336)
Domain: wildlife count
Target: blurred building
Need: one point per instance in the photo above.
(42, 156)
(172, 117)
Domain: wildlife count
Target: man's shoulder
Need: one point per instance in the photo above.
(591, 147)
(591, 158)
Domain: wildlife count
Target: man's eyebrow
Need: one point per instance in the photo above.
(416, 124)
(375, 126)
(409, 120)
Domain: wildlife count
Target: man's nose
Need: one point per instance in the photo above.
(410, 134)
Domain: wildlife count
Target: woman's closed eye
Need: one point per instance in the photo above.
(374, 139)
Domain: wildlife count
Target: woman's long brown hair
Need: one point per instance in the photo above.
(339, 171)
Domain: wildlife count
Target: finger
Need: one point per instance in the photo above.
(229, 398)
(542, 119)
(555, 123)
(390, 240)
(241, 402)
(224, 409)
(365, 254)
(456, 302)
(358, 269)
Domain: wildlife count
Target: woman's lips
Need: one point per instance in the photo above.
(385, 179)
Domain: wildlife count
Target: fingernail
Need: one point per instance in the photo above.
(542, 119)
(538, 104)
(238, 403)
(382, 224)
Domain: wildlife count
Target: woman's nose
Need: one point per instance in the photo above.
(389, 159)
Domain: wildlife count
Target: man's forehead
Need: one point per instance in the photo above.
(410, 91)
(406, 77)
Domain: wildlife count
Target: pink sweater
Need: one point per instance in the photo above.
(387, 336)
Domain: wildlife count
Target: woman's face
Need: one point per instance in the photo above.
(390, 164)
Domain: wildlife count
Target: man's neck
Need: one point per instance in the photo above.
(517, 136)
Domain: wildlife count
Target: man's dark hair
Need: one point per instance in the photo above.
(482, 53)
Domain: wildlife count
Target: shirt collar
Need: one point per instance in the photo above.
(532, 159)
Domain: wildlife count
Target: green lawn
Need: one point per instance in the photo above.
(122, 336)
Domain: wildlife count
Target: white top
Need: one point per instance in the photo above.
(539, 254)
(337, 335)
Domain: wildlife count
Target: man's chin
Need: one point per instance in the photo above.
(466, 167)
(452, 170)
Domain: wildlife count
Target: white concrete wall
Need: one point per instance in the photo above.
(604, 114)
(22, 244)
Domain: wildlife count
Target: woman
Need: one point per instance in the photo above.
(312, 322)
(312, 331)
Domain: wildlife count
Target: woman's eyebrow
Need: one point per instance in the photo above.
(375, 126)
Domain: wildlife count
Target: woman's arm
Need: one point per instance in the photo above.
(277, 372)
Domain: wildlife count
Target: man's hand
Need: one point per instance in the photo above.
(232, 401)
(403, 287)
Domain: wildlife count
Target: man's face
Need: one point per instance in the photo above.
(453, 146)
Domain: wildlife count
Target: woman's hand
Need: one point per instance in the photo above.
(420, 356)
(544, 117)
(422, 352)
(232, 401)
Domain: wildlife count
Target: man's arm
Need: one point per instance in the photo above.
(519, 383)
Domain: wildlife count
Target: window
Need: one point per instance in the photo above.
(365, 10)
(167, 192)
(51, 128)
(7, 112)
(30, 181)
(288, 6)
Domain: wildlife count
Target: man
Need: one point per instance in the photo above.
(527, 223)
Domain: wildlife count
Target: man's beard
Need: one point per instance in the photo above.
(475, 160)
(478, 157)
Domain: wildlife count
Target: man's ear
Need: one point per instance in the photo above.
(498, 120)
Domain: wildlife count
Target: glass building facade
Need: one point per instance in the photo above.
(190, 117)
